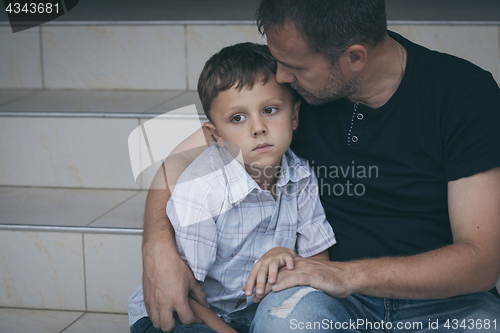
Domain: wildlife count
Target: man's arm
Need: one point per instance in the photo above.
(471, 264)
(167, 280)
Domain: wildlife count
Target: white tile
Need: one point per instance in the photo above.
(114, 57)
(66, 152)
(100, 323)
(129, 214)
(60, 207)
(164, 135)
(39, 321)
(113, 269)
(90, 101)
(20, 59)
(41, 270)
(205, 40)
(9, 95)
(478, 44)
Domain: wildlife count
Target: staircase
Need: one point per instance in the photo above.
(71, 92)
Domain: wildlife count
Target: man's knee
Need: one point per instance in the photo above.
(296, 309)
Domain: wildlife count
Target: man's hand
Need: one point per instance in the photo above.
(331, 277)
(264, 272)
(167, 282)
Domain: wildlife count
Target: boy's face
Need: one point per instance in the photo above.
(257, 124)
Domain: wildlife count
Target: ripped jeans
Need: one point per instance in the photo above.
(305, 309)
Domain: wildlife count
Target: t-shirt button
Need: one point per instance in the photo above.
(354, 138)
(360, 116)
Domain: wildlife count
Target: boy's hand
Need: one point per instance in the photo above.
(264, 272)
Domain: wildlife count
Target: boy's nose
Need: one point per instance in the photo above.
(258, 127)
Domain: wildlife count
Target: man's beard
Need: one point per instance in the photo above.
(336, 87)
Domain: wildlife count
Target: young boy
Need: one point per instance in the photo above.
(247, 197)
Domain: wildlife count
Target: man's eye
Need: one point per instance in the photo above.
(238, 118)
(270, 110)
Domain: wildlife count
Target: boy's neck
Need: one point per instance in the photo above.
(266, 178)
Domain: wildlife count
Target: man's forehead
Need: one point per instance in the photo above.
(289, 47)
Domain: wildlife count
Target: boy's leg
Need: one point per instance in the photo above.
(145, 325)
(307, 309)
(469, 313)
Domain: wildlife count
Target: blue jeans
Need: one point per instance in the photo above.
(144, 325)
(304, 309)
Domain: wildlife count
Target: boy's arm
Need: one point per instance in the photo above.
(321, 256)
(167, 280)
(209, 318)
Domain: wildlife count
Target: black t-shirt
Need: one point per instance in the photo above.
(383, 172)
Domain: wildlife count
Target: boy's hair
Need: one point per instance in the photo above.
(328, 26)
(240, 66)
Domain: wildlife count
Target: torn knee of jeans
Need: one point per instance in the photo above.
(282, 311)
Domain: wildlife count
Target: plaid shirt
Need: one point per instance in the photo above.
(224, 222)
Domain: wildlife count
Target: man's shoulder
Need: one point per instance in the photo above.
(204, 167)
(440, 66)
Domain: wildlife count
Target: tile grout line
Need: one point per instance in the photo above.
(140, 176)
(180, 93)
(63, 310)
(42, 70)
(84, 271)
(186, 56)
(77, 319)
(115, 207)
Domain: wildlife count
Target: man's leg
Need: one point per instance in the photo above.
(311, 310)
(145, 325)
(469, 313)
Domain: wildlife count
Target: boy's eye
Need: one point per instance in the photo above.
(270, 110)
(237, 118)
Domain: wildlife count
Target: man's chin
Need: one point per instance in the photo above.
(313, 100)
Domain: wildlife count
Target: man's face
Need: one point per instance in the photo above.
(311, 74)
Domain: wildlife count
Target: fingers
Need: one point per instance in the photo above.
(198, 294)
(185, 313)
(290, 278)
(289, 262)
(250, 284)
(258, 298)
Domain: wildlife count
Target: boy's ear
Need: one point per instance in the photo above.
(215, 133)
(295, 114)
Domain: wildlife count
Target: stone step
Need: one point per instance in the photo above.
(63, 138)
(158, 45)
(171, 56)
(50, 321)
(70, 249)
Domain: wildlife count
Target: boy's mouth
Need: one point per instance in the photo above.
(263, 147)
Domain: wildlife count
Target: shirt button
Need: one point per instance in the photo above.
(360, 116)
(354, 138)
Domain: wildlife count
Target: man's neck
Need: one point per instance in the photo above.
(382, 75)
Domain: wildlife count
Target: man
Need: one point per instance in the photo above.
(418, 236)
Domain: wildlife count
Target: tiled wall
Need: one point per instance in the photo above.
(66, 152)
(69, 271)
(172, 56)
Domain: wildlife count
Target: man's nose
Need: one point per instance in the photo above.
(283, 75)
(258, 127)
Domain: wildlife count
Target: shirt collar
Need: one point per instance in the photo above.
(241, 184)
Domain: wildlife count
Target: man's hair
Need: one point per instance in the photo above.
(239, 66)
(328, 26)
